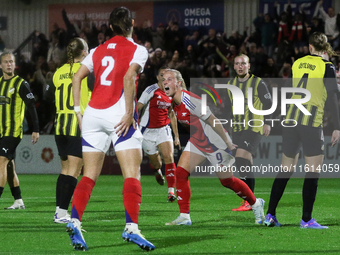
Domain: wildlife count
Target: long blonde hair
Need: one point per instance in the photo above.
(74, 50)
(319, 42)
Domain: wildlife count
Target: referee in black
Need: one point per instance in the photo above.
(14, 95)
(248, 128)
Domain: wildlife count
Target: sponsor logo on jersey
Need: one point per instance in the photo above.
(163, 103)
(4, 100)
(184, 121)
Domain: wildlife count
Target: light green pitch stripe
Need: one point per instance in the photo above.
(208, 92)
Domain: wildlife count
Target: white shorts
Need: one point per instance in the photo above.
(98, 131)
(152, 137)
(216, 158)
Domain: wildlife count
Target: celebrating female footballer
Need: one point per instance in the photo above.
(207, 141)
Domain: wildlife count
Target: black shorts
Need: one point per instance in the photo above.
(69, 145)
(8, 144)
(247, 140)
(311, 139)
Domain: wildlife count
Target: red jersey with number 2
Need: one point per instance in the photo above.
(110, 62)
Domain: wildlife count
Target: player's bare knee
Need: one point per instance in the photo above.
(3, 162)
(225, 174)
(169, 158)
(155, 161)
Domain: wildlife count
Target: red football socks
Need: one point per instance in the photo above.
(240, 188)
(183, 190)
(132, 198)
(81, 197)
(170, 174)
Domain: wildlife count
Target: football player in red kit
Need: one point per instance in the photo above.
(207, 141)
(155, 118)
(110, 117)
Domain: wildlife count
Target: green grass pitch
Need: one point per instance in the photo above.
(215, 230)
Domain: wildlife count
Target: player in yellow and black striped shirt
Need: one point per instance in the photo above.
(317, 75)
(14, 95)
(67, 132)
(247, 137)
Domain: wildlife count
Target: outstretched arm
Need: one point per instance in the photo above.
(173, 123)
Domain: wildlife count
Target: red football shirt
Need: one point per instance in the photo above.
(157, 107)
(110, 62)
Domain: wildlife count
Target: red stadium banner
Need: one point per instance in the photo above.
(97, 14)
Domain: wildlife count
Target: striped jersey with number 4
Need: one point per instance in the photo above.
(318, 77)
(110, 62)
